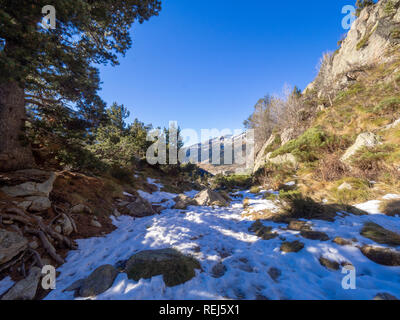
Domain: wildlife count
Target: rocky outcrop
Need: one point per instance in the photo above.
(209, 197)
(175, 267)
(261, 160)
(366, 139)
(25, 289)
(183, 201)
(11, 244)
(367, 43)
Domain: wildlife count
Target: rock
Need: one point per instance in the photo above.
(208, 197)
(384, 296)
(383, 256)
(218, 270)
(287, 135)
(58, 229)
(380, 235)
(285, 158)
(33, 244)
(80, 208)
(38, 204)
(139, 208)
(299, 226)
(95, 223)
(274, 273)
(116, 213)
(11, 244)
(393, 125)
(175, 267)
(99, 281)
(25, 289)
(32, 188)
(260, 160)
(262, 231)
(23, 204)
(342, 242)
(329, 264)
(66, 225)
(182, 202)
(294, 246)
(314, 235)
(366, 139)
(75, 286)
(345, 186)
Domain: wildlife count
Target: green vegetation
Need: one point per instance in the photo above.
(359, 192)
(388, 105)
(231, 182)
(308, 147)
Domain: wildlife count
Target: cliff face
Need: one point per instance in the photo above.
(372, 40)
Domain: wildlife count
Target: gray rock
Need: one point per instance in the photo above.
(139, 208)
(208, 197)
(31, 188)
(175, 267)
(366, 139)
(218, 270)
(345, 186)
(287, 135)
(261, 160)
(38, 204)
(66, 225)
(80, 208)
(116, 213)
(95, 223)
(11, 243)
(75, 286)
(182, 202)
(26, 288)
(99, 281)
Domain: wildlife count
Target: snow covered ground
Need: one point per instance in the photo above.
(215, 235)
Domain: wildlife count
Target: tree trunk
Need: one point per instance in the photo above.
(15, 153)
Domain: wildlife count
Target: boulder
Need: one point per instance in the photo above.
(366, 139)
(262, 231)
(38, 204)
(261, 160)
(314, 235)
(32, 188)
(11, 243)
(329, 264)
(25, 289)
(99, 281)
(294, 246)
(182, 202)
(209, 197)
(383, 256)
(299, 225)
(175, 267)
(66, 225)
(342, 242)
(80, 208)
(139, 208)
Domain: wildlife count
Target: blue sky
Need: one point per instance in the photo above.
(206, 63)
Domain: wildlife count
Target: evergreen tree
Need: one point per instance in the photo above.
(55, 68)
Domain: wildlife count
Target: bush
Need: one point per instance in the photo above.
(231, 182)
(360, 191)
(308, 147)
(331, 168)
(273, 175)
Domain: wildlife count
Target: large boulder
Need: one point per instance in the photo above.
(40, 183)
(11, 243)
(183, 201)
(25, 289)
(383, 256)
(99, 281)
(366, 139)
(209, 197)
(175, 267)
(138, 208)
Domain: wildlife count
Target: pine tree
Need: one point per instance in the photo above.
(56, 67)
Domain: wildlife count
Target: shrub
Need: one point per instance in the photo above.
(232, 181)
(331, 168)
(273, 175)
(308, 147)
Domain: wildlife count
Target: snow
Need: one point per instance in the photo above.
(5, 284)
(214, 235)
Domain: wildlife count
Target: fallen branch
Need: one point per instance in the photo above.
(46, 244)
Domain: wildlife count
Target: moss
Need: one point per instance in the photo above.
(380, 235)
(308, 147)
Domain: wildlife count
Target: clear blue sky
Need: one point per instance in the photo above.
(205, 63)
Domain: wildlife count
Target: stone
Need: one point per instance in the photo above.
(299, 226)
(11, 244)
(383, 256)
(329, 264)
(99, 281)
(25, 289)
(95, 223)
(262, 231)
(287, 135)
(218, 270)
(274, 273)
(75, 286)
(342, 242)
(345, 186)
(385, 296)
(183, 201)
(294, 246)
(80, 208)
(139, 208)
(66, 225)
(32, 188)
(314, 235)
(116, 213)
(367, 139)
(208, 197)
(175, 267)
(39, 204)
(260, 160)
